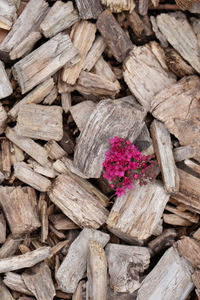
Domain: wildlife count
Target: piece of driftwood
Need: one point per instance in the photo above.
(2, 228)
(135, 216)
(15, 282)
(28, 22)
(163, 149)
(93, 84)
(66, 101)
(23, 172)
(5, 85)
(113, 35)
(96, 288)
(175, 220)
(86, 108)
(94, 54)
(4, 292)
(38, 280)
(82, 35)
(26, 45)
(47, 60)
(183, 39)
(87, 210)
(61, 222)
(89, 9)
(192, 165)
(33, 149)
(8, 13)
(47, 171)
(35, 96)
(189, 249)
(19, 206)
(183, 153)
(40, 122)
(54, 150)
(74, 264)
(171, 277)
(166, 239)
(188, 191)
(9, 247)
(177, 107)
(177, 64)
(5, 158)
(118, 6)
(150, 77)
(24, 261)
(3, 119)
(124, 265)
(60, 16)
(122, 117)
(182, 212)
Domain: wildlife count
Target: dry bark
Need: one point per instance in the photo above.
(171, 277)
(163, 149)
(189, 249)
(38, 280)
(136, 216)
(61, 16)
(82, 35)
(96, 288)
(89, 9)
(124, 264)
(118, 6)
(149, 79)
(180, 35)
(113, 35)
(54, 151)
(74, 264)
(40, 122)
(122, 117)
(175, 220)
(87, 211)
(45, 61)
(27, 23)
(23, 261)
(182, 212)
(19, 206)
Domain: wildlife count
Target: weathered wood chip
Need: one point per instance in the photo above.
(5, 85)
(89, 9)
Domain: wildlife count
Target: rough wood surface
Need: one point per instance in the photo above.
(14, 202)
(38, 280)
(23, 172)
(29, 146)
(4, 292)
(35, 96)
(144, 142)
(66, 101)
(61, 222)
(96, 288)
(181, 211)
(5, 85)
(5, 158)
(185, 152)
(124, 264)
(149, 79)
(60, 16)
(162, 39)
(171, 277)
(93, 84)
(143, 7)
(3, 119)
(79, 294)
(2, 228)
(24, 261)
(183, 38)
(45, 61)
(95, 52)
(103, 69)
(86, 108)
(89, 9)
(189, 249)
(86, 211)
(8, 13)
(163, 149)
(82, 35)
(178, 107)
(51, 97)
(121, 117)
(28, 22)
(47, 171)
(118, 6)
(54, 150)
(15, 282)
(135, 216)
(192, 165)
(9, 247)
(175, 220)
(74, 264)
(113, 35)
(40, 122)
(44, 221)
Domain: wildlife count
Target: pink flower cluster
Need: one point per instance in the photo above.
(124, 165)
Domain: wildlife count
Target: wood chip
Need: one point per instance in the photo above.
(118, 6)
(103, 124)
(15, 282)
(54, 151)
(61, 222)
(74, 264)
(8, 13)
(89, 9)
(192, 165)
(185, 152)
(66, 101)
(5, 85)
(189, 249)
(86, 108)
(2, 228)
(9, 247)
(47, 60)
(94, 54)
(114, 36)
(175, 220)
(4, 292)
(23, 261)
(61, 16)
